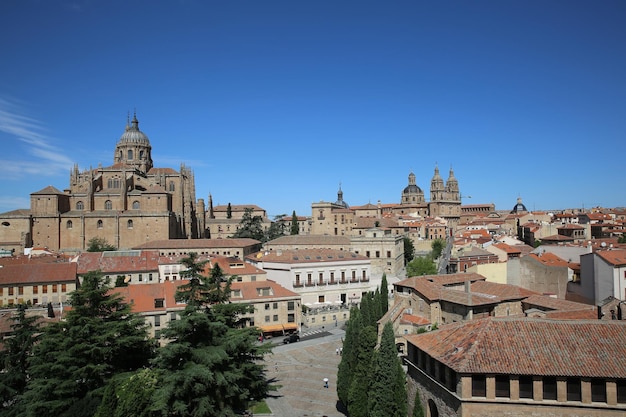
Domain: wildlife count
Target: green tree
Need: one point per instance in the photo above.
(362, 374)
(295, 226)
(99, 244)
(229, 211)
(276, 229)
(250, 226)
(14, 358)
(348, 357)
(622, 239)
(130, 394)
(409, 250)
(437, 247)
(418, 410)
(211, 367)
(422, 265)
(384, 295)
(76, 357)
(387, 391)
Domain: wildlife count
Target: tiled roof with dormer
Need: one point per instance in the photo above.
(112, 262)
(549, 259)
(527, 346)
(253, 291)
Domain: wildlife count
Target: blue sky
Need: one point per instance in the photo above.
(276, 103)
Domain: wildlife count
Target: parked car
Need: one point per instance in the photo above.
(294, 337)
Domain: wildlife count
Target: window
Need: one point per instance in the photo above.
(621, 389)
(275, 306)
(253, 278)
(173, 317)
(291, 318)
(598, 391)
(141, 155)
(388, 254)
(129, 224)
(291, 306)
(149, 277)
(63, 287)
(80, 205)
(130, 154)
(320, 298)
(503, 388)
(157, 334)
(136, 205)
(573, 389)
(99, 225)
(479, 386)
(367, 253)
(172, 186)
(44, 289)
(20, 290)
(159, 302)
(108, 205)
(35, 289)
(267, 319)
(267, 306)
(35, 300)
(157, 321)
(140, 277)
(69, 224)
(275, 318)
(378, 254)
(549, 388)
(54, 287)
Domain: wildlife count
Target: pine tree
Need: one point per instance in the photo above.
(76, 358)
(211, 366)
(295, 227)
(250, 226)
(13, 359)
(130, 394)
(387, 391)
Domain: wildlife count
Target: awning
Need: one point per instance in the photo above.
(290, 326)
(271, 328)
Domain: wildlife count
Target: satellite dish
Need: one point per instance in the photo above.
(603, 244)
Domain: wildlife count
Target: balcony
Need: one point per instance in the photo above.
(365, 279)
(298, 284)
(333, 282)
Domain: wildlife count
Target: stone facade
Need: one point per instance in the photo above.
(127, 203)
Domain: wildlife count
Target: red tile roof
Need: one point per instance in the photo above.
(142, 296)
(118, 261)
(198, 243)
(250, 291)
(36, 273)
(549, 259)
(289, 256)
(526, 346)
(616, 257)
(507, 248)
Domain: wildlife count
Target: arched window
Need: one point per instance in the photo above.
(69, 224)
(172, 186)
(130, 224)
(141, 154)
(80, 205)
(100, 224)
(130, 154)
(108, 205)
(121, 154)
(136, 205)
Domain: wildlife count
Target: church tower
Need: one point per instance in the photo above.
(437, 188)
(134, 148)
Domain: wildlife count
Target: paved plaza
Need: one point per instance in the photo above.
(299, 370)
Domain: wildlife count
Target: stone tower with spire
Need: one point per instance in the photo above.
(445, 198)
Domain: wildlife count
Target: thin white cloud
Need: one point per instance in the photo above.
(47, 159)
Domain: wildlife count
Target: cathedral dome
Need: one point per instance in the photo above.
(133, 135)
(412, 189)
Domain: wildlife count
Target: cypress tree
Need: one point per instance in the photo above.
(348, 357)
(360, 385)
(295, 227)
(418, 410)
(387, 391)
(384, 295)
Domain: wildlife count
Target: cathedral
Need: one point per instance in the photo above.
(127, 203)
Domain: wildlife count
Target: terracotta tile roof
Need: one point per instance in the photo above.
(18, 213)
(306, 256)
(412, 319)
(453, 279)
(42, 259)
(197, 243)
(48, 190)
(250, 291)
(118, 261)
(142, 296)
(502, 291)
(233, 266)
(507, 248)
(547, 303)
(570, 226)
(525, 346)
(616, 257)
(549, 259)
(38, 273)
(557, 238)
(303, 240)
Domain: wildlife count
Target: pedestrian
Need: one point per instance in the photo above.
(337, 351)
(325, 382)
(276, 366)
(341, 350)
